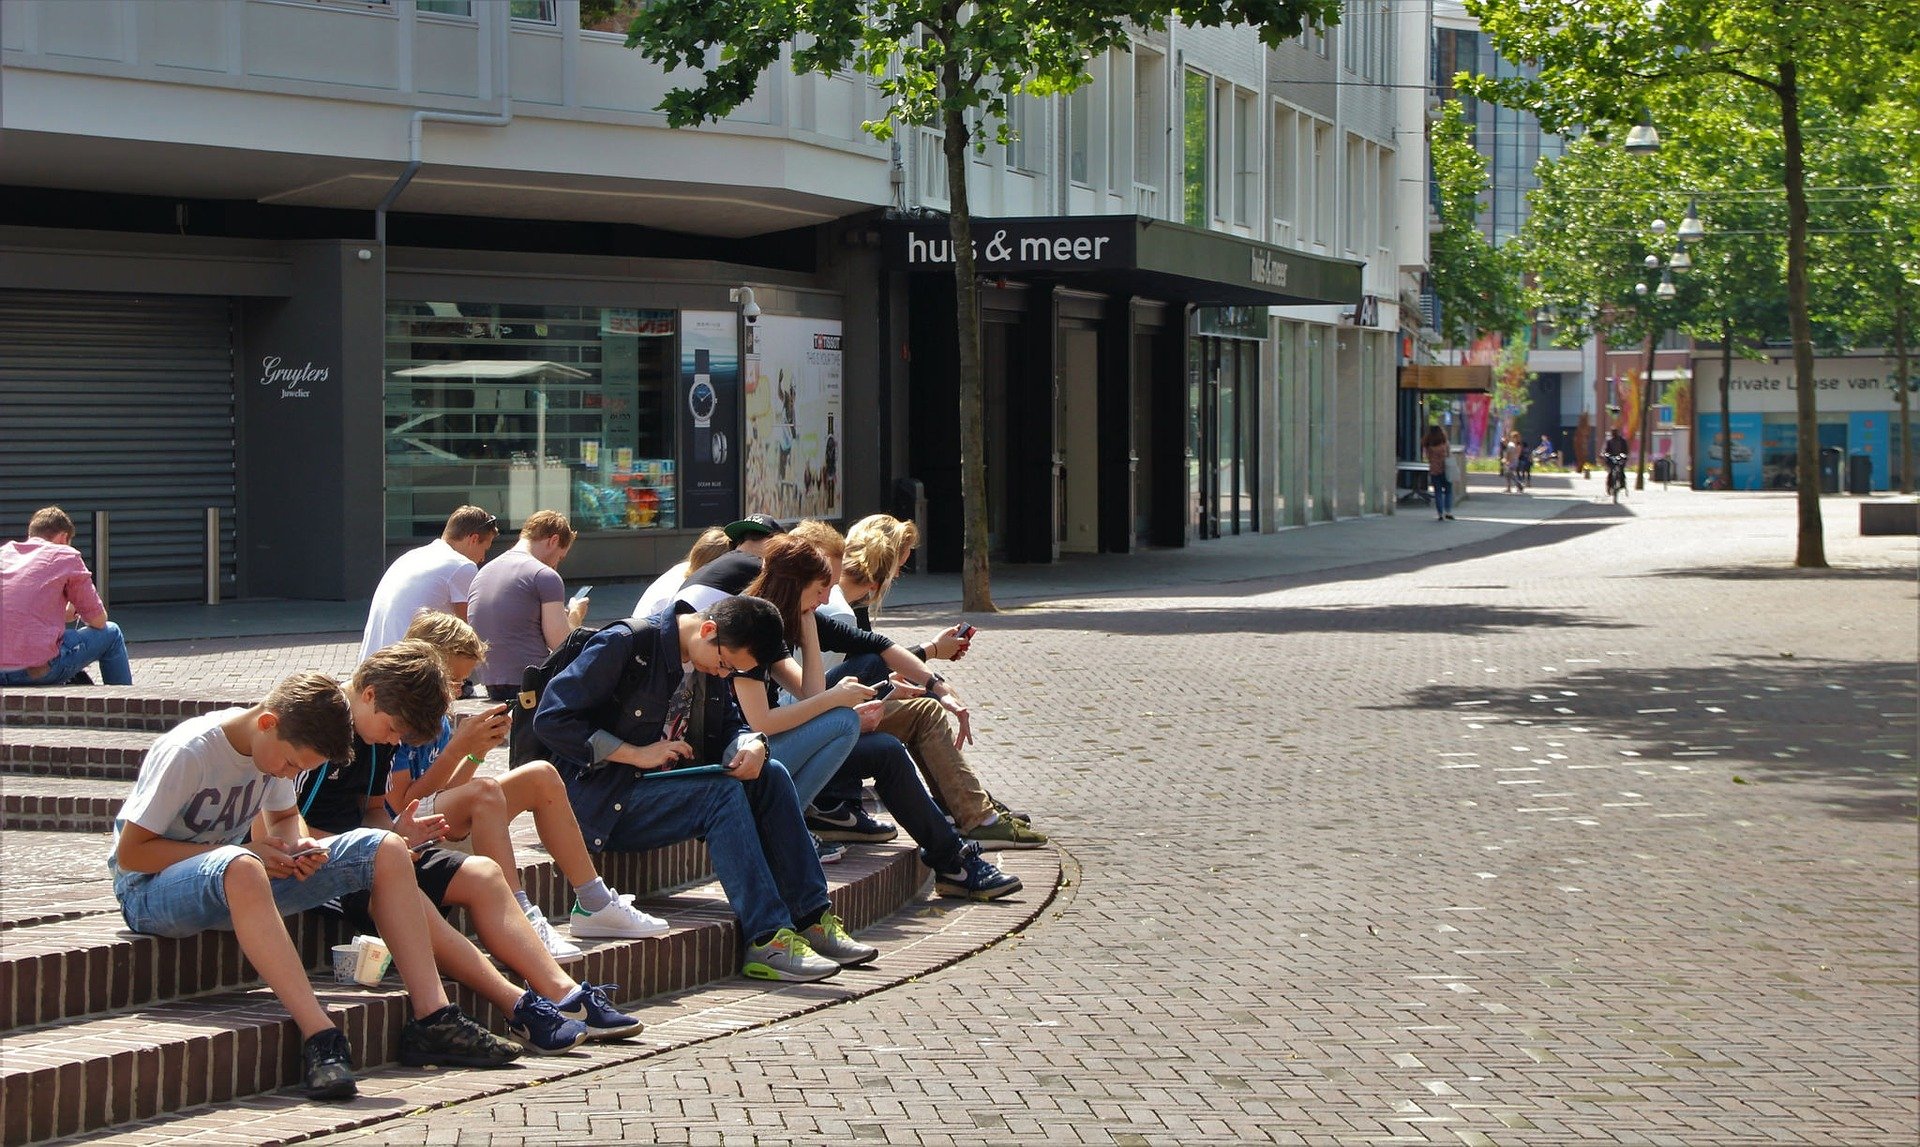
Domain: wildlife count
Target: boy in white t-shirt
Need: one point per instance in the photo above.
(179, 868)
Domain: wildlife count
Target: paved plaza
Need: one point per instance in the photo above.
(1598, 827)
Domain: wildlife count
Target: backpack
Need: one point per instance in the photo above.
(522, 744)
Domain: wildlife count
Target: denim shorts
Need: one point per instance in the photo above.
(191, 897)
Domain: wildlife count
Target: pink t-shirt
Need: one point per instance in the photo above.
(38, 579)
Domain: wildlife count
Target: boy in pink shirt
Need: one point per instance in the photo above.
(44, 584)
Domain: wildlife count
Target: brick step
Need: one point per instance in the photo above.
(68, 751)
(136, 1062)
(65, 969)
(41, 802)
(106, 707)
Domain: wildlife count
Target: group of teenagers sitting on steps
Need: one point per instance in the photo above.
(711, 714)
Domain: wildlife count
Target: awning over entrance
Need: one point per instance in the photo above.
(1446, 379)
(1128, 254)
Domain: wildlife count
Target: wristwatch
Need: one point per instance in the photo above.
(701, 400)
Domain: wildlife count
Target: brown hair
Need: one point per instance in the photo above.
(469, 520)
(48, 522)
(447, 634)
(409, 684)
(313, 714)
(1435, 436)
(824, 537)
(708, 546)
(543, 524)
(788, 565)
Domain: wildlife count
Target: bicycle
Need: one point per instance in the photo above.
(1616, 475)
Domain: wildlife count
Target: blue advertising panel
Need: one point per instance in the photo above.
(1870, 434)
(1746, 450)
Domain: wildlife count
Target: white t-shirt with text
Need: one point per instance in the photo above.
(195, 786)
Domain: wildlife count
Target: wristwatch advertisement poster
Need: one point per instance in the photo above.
(710, 416)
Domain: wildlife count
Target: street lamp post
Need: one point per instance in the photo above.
(1678, 262)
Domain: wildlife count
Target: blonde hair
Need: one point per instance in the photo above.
(543, 524)
(448, 635)
(871, 560)
(708, 546)
(823, 537)
(902, 535)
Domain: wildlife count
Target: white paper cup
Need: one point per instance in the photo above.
(346, 959)
(371, 967)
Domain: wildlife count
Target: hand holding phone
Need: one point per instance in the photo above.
(963, 631)
(579, 595)
(316, 850)
(881, 690)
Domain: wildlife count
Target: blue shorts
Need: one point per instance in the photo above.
(190, 897)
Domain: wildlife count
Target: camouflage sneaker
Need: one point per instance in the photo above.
(447, 1038)
(327, 1066)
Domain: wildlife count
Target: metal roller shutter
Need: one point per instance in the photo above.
(122, 403)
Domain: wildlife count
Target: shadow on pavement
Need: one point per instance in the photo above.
(1414, 617)
(1785, 573)
(1843, 728)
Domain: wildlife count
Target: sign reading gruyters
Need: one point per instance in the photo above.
(1136, 255)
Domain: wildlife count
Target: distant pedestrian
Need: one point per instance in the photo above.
(1522, 462)
(1435, 447)
(45, 589)
(437, 575)
(518, 603)
(1510, 452)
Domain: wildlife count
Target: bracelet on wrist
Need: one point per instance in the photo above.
(476, 758)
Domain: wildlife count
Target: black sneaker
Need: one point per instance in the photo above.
(326, 1063)
(848, 821)
(447, 1038)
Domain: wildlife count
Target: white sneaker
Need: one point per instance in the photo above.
(556, 947)
(619, 920)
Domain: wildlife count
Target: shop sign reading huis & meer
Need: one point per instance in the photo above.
(1003, 245)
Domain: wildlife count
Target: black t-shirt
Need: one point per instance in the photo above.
(333, 797)
(730, 573)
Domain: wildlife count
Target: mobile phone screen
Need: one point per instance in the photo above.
(580, 594)
(881, 690)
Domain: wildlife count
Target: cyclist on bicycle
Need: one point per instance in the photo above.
(1615, 455)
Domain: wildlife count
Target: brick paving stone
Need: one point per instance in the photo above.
(1597, 826)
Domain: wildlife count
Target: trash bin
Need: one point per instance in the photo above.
(1830, 469)
(1860, 474)
(1663, 469)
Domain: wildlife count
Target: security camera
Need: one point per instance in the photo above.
(749, 310)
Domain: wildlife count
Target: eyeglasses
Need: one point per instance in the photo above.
(720, 656)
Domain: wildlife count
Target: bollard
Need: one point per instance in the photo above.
(100, 554)
(213, 555)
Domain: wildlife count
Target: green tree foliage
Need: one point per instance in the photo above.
(1603, 64)
(1476, 283)
(938, 63)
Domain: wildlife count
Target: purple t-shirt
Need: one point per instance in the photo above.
(504, 610)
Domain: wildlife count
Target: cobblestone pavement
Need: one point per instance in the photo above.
(1599, 830)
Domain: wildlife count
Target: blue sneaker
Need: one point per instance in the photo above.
(976, 879)
(849, 821)
(591, 1005)
(539, 1027)
(829, 851)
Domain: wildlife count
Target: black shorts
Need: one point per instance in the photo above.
(434, 868)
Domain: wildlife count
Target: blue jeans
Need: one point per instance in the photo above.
(190, 897)
(1442, 494)
(815, 751)
(897, 779)
(81, 646)
(755, 835)
(844, 787)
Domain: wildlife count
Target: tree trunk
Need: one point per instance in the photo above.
(976, 588)
(1901, 375)
(1812, 548)
(1726, 403)
(1646, 411)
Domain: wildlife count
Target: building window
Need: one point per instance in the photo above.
(1149, 120)
(1027, 149)
(1197, 131)
(1080, 133)
(1325, 172)
(1246, 162)
(523, 408)
(446, 7)
(532, 11)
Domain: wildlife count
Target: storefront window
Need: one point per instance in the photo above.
(524, 408)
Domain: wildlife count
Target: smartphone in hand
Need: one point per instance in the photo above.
(579, 595)
(881, 690)
(963, 631)
(316, 849)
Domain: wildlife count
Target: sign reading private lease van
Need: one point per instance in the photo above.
(1129, 254)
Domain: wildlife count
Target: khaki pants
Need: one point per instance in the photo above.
(921, 725)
